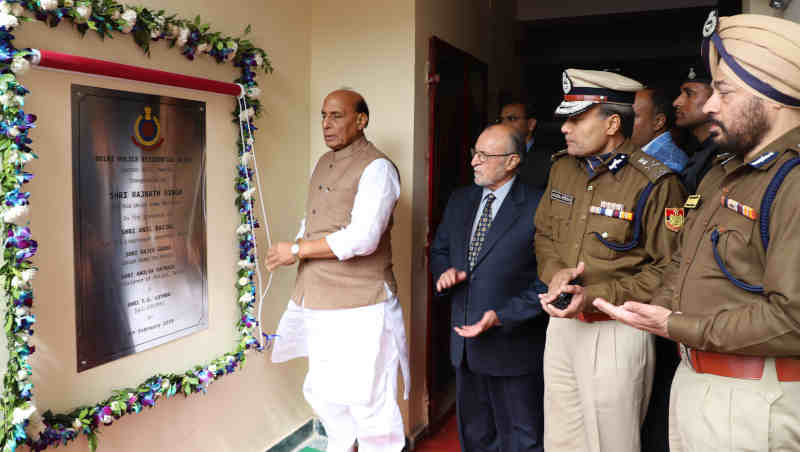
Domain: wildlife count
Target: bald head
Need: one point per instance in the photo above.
(498, 153)
(345, 115)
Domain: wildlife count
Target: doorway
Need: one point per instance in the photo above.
(458, 112)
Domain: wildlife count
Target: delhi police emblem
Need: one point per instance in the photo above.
(711, 24)
(673, 218)
(566, 83)
(147, 131)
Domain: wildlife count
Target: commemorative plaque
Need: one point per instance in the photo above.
(140, 232)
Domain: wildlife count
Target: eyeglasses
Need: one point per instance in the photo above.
(509, 118)
(483, 157)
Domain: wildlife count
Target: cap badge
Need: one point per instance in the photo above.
(566, 83)
(692, 74)
(710, 26)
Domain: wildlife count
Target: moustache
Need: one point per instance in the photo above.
(719, 124)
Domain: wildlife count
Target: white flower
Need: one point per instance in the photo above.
(69, 3)
(183, 37)
(248, 193)
(116, 15)
(203, 47)
(22, 374)
(29, 274)
(14, 131)
(115, 405)
(246, 298)
(246, 157)
(5, 8)
(21, 414)
(129, 16)
(16, 215)
(77, 424)
(253, 91)
(17, 282)
(165, 384)
(243, 229)
(106, 419)
(48, 5)
(245, 264)
(250, 141)
(17, 9)
(229, 358)
(15, 156)
(259, 59)
(155, 32)
(243, 281)
(212, 368)
(244, 115)
(19, 66)
(20, 312)
(8, 21)
(84, 10)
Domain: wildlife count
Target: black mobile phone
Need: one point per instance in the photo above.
(564, 298)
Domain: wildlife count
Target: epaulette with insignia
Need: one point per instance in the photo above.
(649, 166)
(558, 155)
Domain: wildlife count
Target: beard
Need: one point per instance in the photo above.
(745, 132)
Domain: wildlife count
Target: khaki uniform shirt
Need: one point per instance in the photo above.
(565, 226)
(712, 313)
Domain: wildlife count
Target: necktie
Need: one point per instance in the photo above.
(480, 232)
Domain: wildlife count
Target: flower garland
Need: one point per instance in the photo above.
(17, 271)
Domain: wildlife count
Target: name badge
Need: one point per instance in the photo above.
(562, 197)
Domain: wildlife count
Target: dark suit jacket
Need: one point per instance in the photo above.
(504, 279)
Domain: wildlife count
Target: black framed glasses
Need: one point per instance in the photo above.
(483, 157)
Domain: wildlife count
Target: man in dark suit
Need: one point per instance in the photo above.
(483, 255)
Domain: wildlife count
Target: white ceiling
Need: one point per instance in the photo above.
(551, 9)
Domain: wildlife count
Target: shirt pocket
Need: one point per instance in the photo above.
(561, 214)
(611, 229)
(736, 248)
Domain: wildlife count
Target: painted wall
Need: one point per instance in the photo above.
(245, 411)
(367, 45)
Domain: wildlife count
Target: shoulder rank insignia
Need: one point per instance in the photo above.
(738, 207)
(764, 159)
(611, 209)
(692, 202)
(673, 218)
(619, 161)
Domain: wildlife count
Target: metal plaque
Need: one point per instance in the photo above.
(140, 229)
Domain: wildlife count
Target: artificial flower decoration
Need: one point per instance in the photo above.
(192, 37)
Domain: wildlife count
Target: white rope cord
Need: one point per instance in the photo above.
(261, 295)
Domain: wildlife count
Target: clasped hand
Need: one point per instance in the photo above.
(560, 284)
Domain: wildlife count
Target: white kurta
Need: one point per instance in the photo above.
(354, 353)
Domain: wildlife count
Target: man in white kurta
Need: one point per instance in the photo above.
(344, 314)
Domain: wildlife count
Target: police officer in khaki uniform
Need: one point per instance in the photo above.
(731, 297)
(601, 220)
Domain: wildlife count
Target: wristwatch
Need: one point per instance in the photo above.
(295, 249)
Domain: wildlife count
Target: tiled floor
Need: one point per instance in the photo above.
(444, 440)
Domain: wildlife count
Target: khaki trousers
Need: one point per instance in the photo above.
(713, 413)
(597, 382)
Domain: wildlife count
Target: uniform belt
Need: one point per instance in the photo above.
(737, 366)
(590, 317)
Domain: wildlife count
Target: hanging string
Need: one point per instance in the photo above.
(248, 140)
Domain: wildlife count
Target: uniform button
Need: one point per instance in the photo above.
(313, 211)
(604, 235)
(330, 166)
(308, 234)
(583, 217)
